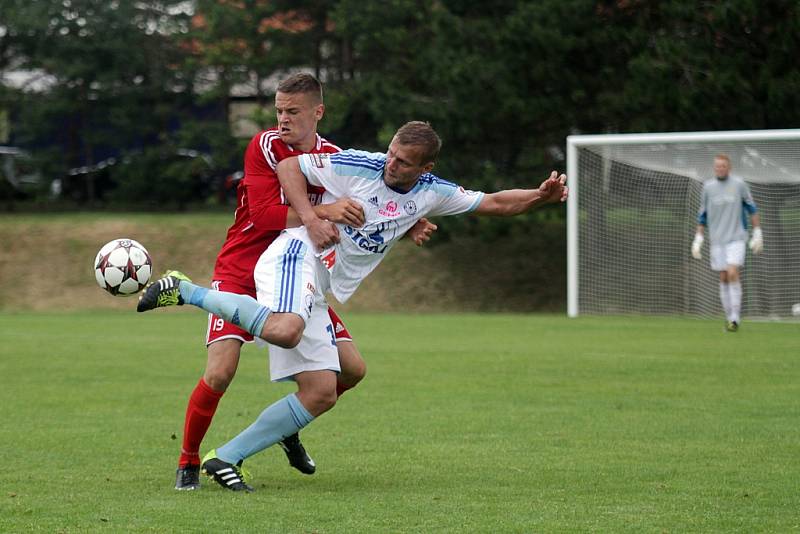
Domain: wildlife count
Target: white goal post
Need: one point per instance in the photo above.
(631, 217)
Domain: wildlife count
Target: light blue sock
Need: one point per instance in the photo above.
(282, 419)
(242, 310)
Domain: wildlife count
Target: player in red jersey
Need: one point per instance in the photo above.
(261, 214)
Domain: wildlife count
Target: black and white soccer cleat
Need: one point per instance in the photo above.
(227, 475)
(297, 455)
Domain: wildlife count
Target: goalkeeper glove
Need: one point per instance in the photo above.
(696, 244)
(757, 241)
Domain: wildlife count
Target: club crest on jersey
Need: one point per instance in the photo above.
(410, 207)
(390, 210)
(319, 160)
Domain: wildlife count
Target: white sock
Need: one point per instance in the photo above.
(725, 298)
(735, 290)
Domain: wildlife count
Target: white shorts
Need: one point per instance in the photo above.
(289, 278)
(728, 254)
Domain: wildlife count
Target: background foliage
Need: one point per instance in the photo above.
(504, 82)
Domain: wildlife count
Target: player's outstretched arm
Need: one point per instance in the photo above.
(515, 201)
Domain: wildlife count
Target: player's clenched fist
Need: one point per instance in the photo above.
(322, 233)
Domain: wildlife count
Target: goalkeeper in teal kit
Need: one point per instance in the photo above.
(725, 204)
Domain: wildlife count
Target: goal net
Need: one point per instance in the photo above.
(632, 215)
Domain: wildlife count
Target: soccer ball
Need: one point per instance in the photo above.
(122, 267)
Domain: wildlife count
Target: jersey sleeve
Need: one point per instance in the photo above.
(454, 199)
(702, 212)
(319, 171)
(267, 212)
(747, 199)
(264, 196)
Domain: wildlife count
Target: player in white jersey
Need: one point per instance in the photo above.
(389, 213)
(725, 203)
(395, 190)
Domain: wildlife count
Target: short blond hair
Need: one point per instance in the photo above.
(723, 157)
(422, 134)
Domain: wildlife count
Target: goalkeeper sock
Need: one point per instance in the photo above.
(242, 310)
(281, 419)
(725, 298)
(735, 290)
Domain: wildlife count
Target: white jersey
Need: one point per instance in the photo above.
(389, 213)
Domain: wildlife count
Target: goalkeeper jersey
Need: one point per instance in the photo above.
(389, 213)
(724, 207)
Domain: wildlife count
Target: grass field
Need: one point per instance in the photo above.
(465, 423)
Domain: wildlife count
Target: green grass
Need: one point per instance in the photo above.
(465, 423)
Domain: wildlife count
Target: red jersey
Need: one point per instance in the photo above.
(261, 206)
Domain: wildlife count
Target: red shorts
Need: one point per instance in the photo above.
(219, 329)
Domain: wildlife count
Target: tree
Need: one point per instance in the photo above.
(503, 82)
(113, 78)
(709, 66)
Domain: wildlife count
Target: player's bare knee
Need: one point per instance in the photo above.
(362, 370)
(318, 401)
(353, 366)
(223, 359)
(354, 373)
(220, 370)
(218, 378)
(287, 338)
(324, 400)
(284, 330)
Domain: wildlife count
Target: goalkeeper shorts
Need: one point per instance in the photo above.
(728, 254)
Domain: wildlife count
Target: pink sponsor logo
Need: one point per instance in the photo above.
(390, 210)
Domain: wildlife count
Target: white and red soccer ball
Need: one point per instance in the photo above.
(122, 267)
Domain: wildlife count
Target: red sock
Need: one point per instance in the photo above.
(202, 406)
(341, 388)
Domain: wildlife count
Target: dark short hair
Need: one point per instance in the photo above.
(301, 83)
(419, 133)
